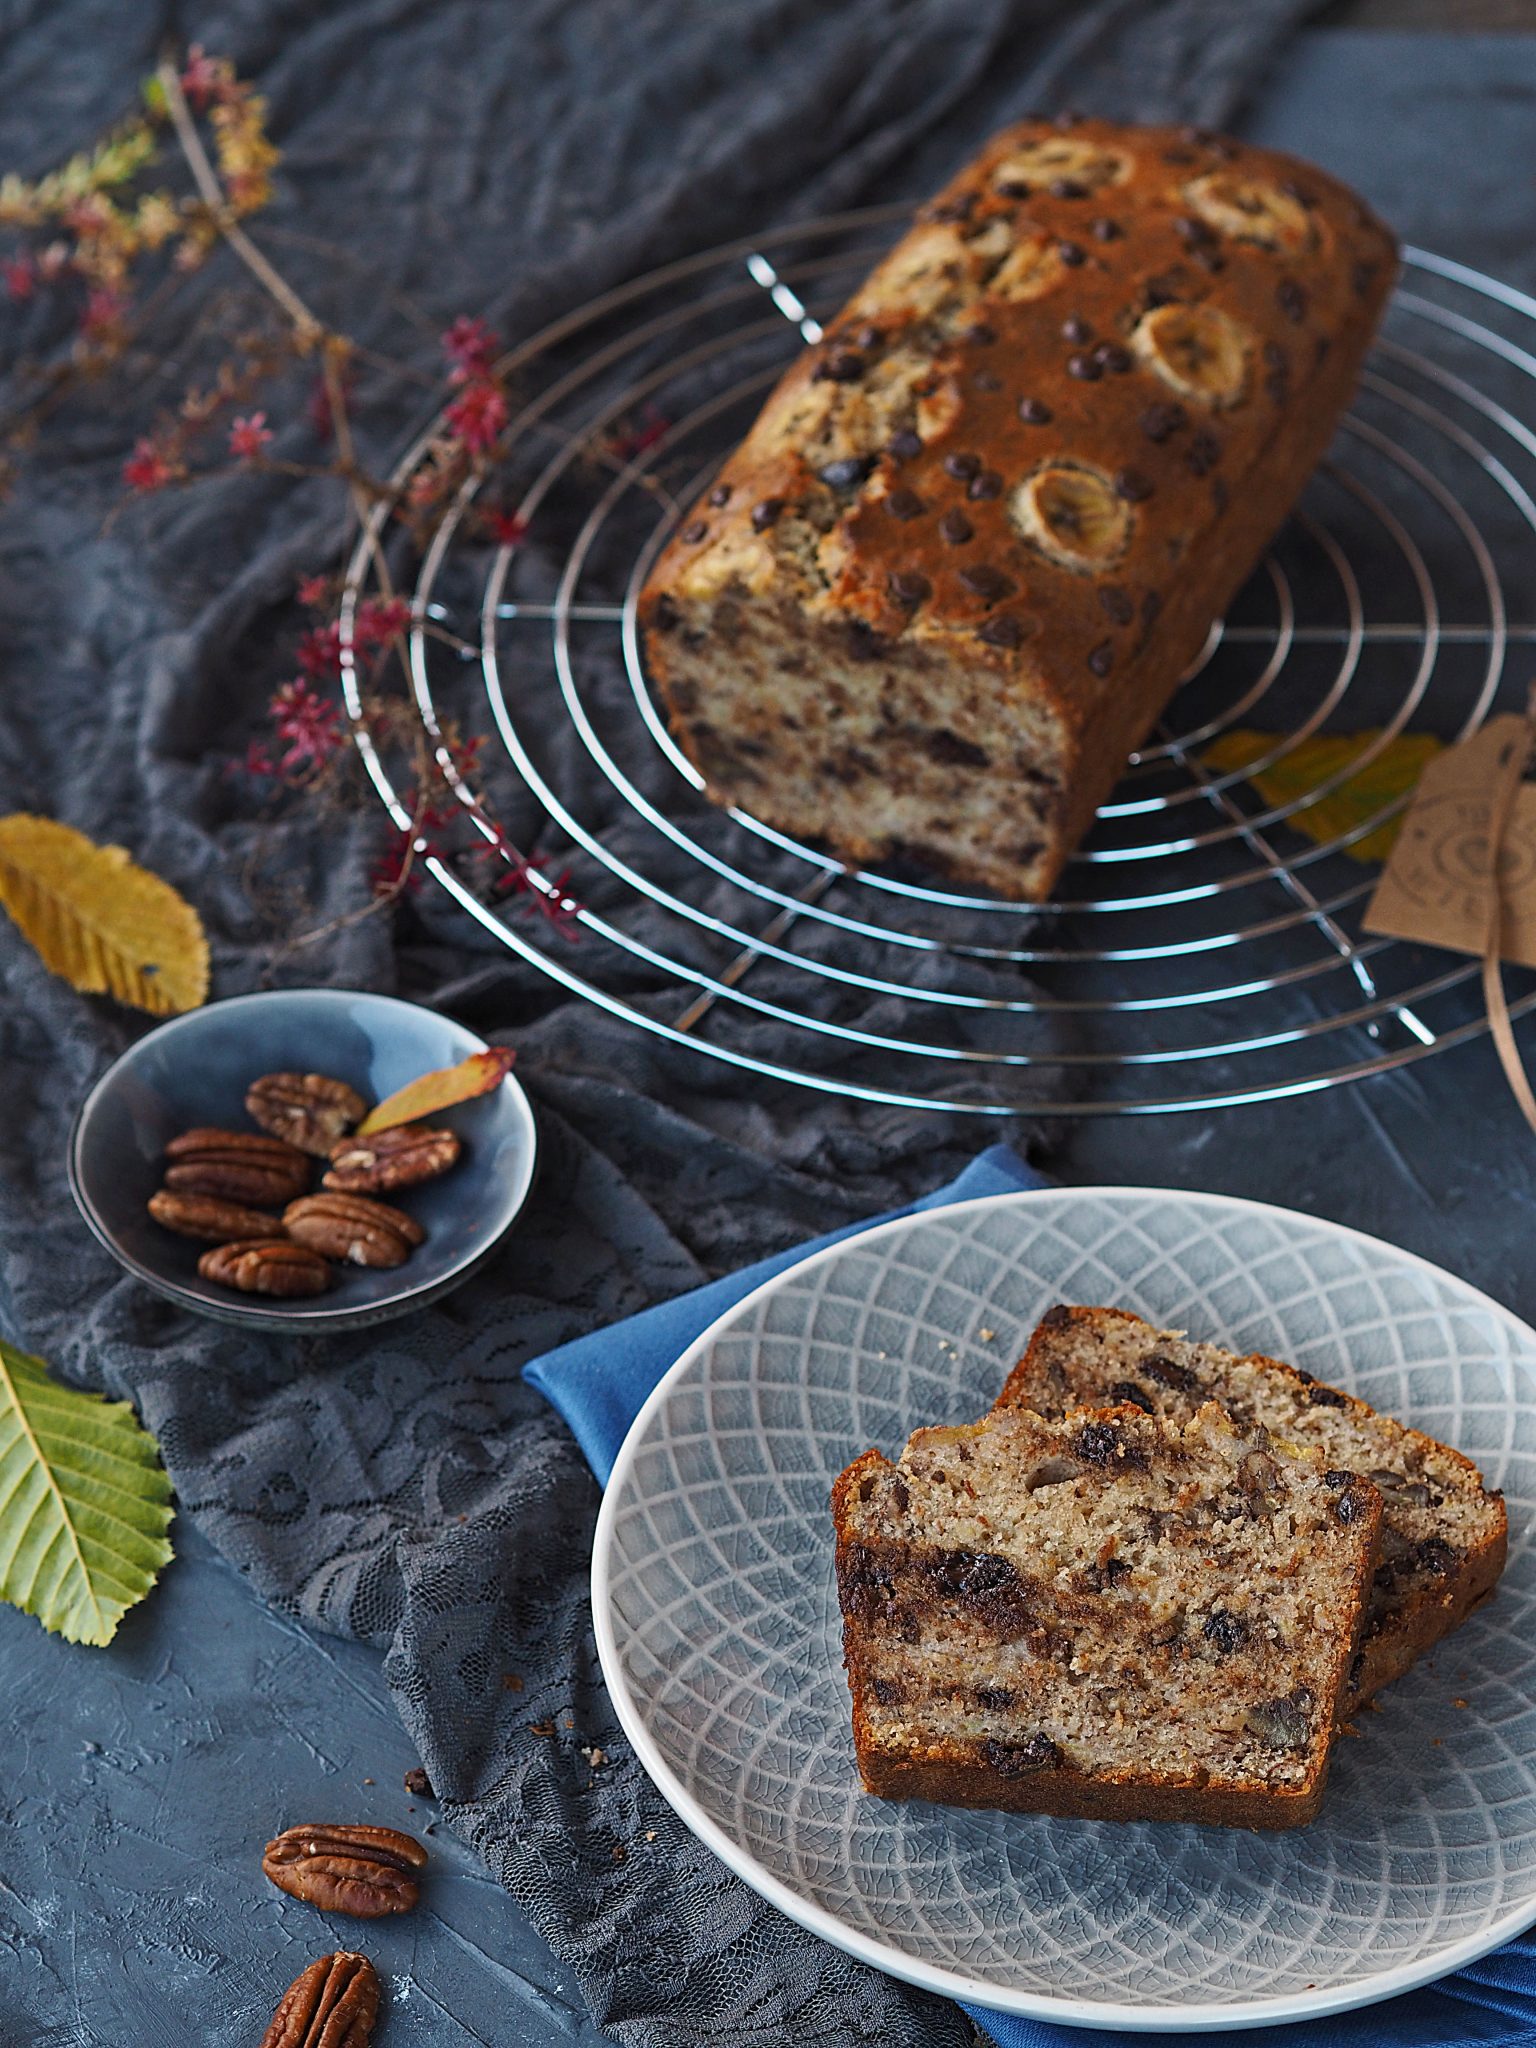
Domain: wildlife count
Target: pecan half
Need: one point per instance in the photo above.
(346, 1868)
(332, 2005)
(266, 1266)
(236, 1166)
(352, 1229)
(310, 1110)
(396, 1158)
(205, 1216)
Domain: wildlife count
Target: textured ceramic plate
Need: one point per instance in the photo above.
(718, 1625)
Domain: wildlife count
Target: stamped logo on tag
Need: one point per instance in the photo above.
(1435, 884)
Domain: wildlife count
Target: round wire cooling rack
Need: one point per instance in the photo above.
(1202, 950)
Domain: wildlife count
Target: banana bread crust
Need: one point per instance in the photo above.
(979, 531)
(1422, 1611)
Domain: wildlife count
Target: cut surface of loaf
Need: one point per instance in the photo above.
(1443, 1534)
(978, 532)
(1107, 1616)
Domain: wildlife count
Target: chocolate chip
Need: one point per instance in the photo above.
(951, 751)
(1197, 138)
(665, 614)
(1169, 1373)
(1088, 368)
(1132, 485)
(1126, 1394)
(1292, 300)
(986, 380)
(1013, 188)
(1104, 230)
(1297, 192)
(1072, 254)
(1275, 356)
(1159, 421)
(1190, 228)
(954, 209)
(994, 1699)
(955, 528)
(1067, 188)
(418, 1784)
(904, 444)
(1102, 658)
(1101, 1443)
(1109, 355)
(848, 473)
(1178, 156)
(843, 366)
(1226, 1632)
(694, 530)
(1210, 259)
(864, 643)
(904, 504)
(962, 465)
(908, 586)
(988, 484)
(1327, 1397)
(1223, 148)
(1002, 631)
(1022, 1759)
(1349, 1507)
(720, 495)
(765, 512)
(987, 583)
(1076, 329)
(1070, 117)
(1116, 605)
(1433, 1555)
(1163, 288)
(1151, 605)
(1034, 412)
(866, 336)
(1203, 453)
(980, 333)
(1277, 386)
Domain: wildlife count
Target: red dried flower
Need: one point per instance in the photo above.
(318, 408)
(309, 724)
(20, 274)
(477, 416)
(379, 619)
(248, 435)
(624, 443)
(471, 347)
(314, 590)
(205, 79)
(396, 870)
(257, 761)
(503, 525)
(148, 468)
(103, 315)
(319, 650)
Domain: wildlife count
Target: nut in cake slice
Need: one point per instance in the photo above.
(1106, 1615)
(1443, 1533)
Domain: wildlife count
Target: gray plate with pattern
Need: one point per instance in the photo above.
(718, 1625)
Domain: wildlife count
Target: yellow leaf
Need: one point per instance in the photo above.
(105, 925)
(428, 1093)
(1393, 773)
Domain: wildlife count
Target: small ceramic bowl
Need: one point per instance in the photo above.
(195, 1070)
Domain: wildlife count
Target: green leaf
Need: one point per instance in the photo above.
(84, 1503)
(1393, 774)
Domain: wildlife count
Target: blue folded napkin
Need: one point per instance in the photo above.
(600, 1383)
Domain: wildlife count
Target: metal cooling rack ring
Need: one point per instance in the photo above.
(1212, 960)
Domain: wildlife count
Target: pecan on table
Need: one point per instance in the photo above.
(342, 1868)
(236, 1166)
(205, 1216)
(310, 1110)
(332, 2005)
(271, 1265)
(352, 1229)
(395, 1158)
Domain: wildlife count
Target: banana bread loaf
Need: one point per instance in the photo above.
(1109, 1616)
(978, 532)
(1443, 1534)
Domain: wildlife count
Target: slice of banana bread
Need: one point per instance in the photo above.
(1107, 1616)
(1443, 1533)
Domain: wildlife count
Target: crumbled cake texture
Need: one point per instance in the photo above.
(978, 532)
(1443, 1534)
(1106, 1614)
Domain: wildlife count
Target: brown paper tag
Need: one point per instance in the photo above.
(1434, 887)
